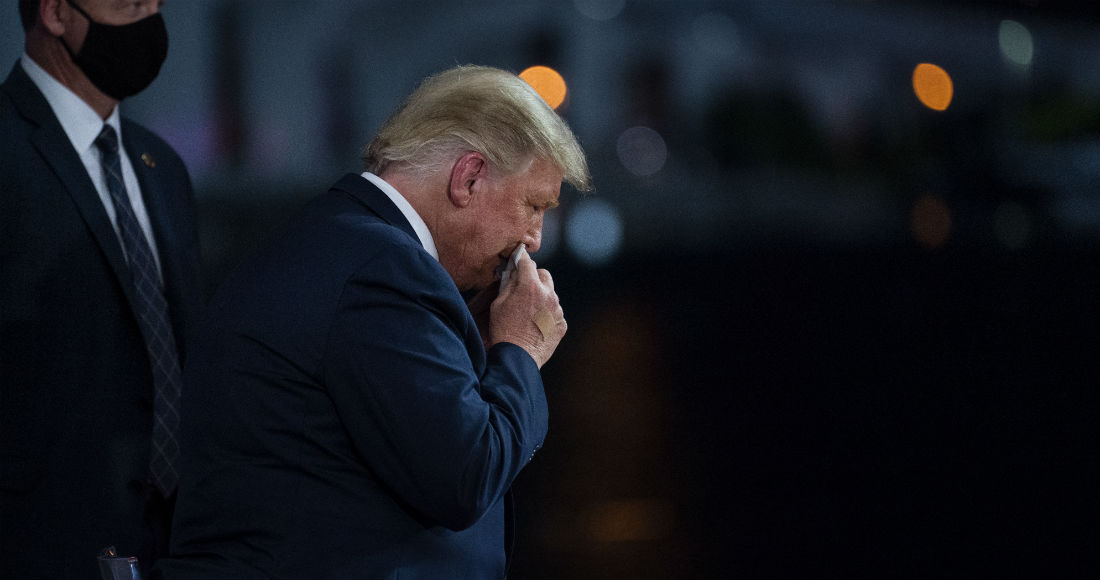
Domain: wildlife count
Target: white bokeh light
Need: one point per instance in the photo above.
(594, 232)
(641, 150)
(1015, 41)
(716, 34)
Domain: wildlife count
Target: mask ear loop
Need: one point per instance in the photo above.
(68, 48)
(81, 11)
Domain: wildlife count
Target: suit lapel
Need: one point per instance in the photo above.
(54, 146)
(154, 196)
(155, 192)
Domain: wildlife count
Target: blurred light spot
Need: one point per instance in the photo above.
(547, 82)
(642, 151)
(930, 221)
(716, 34)
(594, 232)
(600, 9)
(1012, 225)
(1015, 41)
(933, 86)
(627, 520)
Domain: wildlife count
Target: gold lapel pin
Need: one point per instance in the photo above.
(148, 159)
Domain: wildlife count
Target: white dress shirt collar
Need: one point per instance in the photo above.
(407, 210)
(82, 125)
(80, 122)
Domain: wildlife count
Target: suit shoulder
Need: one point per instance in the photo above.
(343, 214)
(379, 241)
(15, 135)
(11, 118)
(366, 242)
(7, 107)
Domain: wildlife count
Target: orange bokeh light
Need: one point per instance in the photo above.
(547, 82)
(933, 86)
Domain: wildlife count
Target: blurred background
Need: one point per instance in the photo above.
(832, 303)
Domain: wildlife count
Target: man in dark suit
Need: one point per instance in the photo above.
(99, 271)
(347, 418)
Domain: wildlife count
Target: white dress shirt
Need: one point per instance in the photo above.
(82, 125)
(407, 210)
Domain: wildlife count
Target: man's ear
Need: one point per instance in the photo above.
(466, 171)
(49, 12)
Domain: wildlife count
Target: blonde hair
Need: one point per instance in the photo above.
(476, 108)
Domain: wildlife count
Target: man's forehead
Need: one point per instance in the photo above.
(545, 184)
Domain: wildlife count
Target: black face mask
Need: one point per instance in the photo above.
(121, 60)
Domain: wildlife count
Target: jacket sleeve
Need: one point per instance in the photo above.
(400, 368)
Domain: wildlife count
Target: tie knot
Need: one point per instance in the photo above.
(107, 141)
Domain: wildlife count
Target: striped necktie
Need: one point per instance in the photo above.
(152, 310)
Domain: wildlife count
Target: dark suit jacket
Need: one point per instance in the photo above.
(76, 393)
(345, 419)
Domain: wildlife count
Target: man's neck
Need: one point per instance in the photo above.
(48, 53)
(418, 192)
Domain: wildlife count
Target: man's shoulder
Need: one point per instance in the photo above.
(367, 235)
(10, 114)
(22, 102)
(361, 245)
(7, 106)
(11, 84)
(11, 119)
(16, 130)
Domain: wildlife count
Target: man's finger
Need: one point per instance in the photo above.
(546, 279)
(526, 266)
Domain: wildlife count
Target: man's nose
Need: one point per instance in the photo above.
(533, 239)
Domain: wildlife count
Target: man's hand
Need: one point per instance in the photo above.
(526, 312)
(479, 307)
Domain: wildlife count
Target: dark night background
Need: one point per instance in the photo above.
(817, 330)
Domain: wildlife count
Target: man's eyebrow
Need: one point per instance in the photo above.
(552, 204)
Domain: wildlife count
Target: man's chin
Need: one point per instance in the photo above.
(473, 290)
(477, 281)
(494, 282)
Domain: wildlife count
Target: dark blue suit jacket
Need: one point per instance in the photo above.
(76, 392)
(344, 419)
